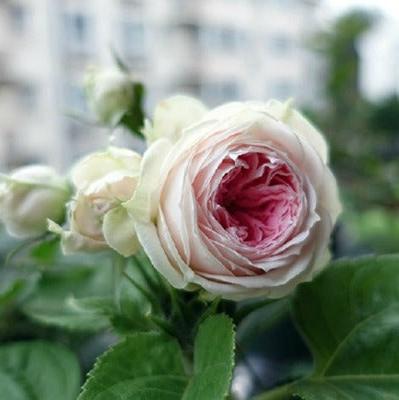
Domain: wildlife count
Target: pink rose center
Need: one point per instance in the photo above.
(258, 201)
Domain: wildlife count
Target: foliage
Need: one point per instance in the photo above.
(363, 135)
(38, 370)
(152, 366)
(352, 334)
(339, 46)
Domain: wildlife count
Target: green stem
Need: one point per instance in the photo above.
(162, 325)
(208, 312)
(143, 270)
(118, 265)
(175, 304)
(148, 295)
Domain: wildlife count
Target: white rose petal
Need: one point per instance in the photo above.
(119, 231)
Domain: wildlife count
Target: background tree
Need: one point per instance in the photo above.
(363, 136)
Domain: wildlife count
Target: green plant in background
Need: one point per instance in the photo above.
(363, 136)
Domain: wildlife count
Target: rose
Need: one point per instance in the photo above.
(110, 94)
(103, 181)
(242, 205)
(30, 195)
(171, 116)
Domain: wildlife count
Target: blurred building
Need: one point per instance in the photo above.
(219, 50)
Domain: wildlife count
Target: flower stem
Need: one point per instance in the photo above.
(118, 265)
(143, 270)
(148, 295)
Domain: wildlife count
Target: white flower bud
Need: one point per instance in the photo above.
(172, 116)
(28, 197)
(97, 220)
(109, 93)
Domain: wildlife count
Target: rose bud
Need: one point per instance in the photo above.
(110, 94)
(28, 197)
(103, 181)
(171, 116)
(242, 205)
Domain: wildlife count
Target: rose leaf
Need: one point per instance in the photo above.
(349, 316)
(213, 359)
(142, 366)
(150, 366)
(38, 370)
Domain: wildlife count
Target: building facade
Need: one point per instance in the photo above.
(219, 50)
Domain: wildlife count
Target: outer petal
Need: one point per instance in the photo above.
(119, 232)
(37, 175)
(148, 236)
(329, 196)
(144, 202)
(299, 124)
(172, 115)
(72, 242)
(97, 165)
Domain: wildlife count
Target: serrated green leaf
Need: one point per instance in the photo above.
(150, 366)
(151, 388)
(145, 366)
(213, 360)
(38, 370)
(349, 316)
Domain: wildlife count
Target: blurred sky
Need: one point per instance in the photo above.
(388, 7)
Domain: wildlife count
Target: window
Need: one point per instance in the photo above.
(221, 38)
(280, 44)
(18, 17)
(192, 87)
(132, 3)
(75, 100)
(133, 38)
(190, 29)
(77, 31)
(219, 92)
(282, 90)
(281, 3)
(27, 96)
